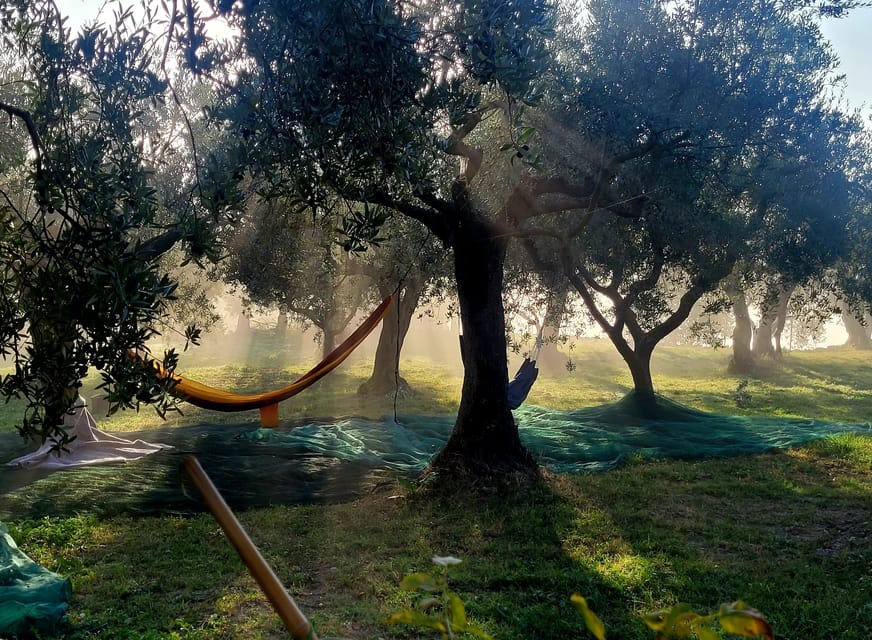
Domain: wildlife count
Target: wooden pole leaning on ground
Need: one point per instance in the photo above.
(295, 622)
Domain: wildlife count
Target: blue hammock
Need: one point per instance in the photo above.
(521, 384)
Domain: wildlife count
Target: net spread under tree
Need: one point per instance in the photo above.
(32, 598)
(338, 459)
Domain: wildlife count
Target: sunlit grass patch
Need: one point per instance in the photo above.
(851, 448)
(627, 571)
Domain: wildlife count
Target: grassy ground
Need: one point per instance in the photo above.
(787, 532)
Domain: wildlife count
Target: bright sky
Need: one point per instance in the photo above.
(852, 39)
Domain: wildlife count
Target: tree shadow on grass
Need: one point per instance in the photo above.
(616, 538)
(786, 532)
(519, 565)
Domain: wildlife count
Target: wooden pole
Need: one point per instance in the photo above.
(295, 622)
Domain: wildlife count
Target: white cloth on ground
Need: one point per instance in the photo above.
(90, 445)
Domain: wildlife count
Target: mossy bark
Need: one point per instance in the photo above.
(858, 332)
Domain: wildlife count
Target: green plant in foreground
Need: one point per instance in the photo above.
(591, 620)
(438, 607)
(682, 622)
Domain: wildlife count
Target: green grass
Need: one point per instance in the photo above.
(790, 532)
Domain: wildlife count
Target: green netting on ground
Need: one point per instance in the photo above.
(31, 598)
(335, 460)
(247, 473)
(591, 439)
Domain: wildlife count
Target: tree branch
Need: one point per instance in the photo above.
(608, 170)
(580, 284)
(701, 285)
(523, 203)
(39, 151)
(456, 144)
(27, 119)
(528, 233)
(361, 268)
(155, 247)
(434, 218)
(649, 281)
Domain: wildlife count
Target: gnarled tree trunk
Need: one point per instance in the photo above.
(550, 356)
(774, 307)
(386, 376)
(485, 440)
(743, 328)
(858, 334)
(243, 324)
(282, 325)
(639, 363)
(328, 340)
(761, 346)
(781, 317)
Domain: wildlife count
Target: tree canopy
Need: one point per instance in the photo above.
(82, 223)
(697, 128)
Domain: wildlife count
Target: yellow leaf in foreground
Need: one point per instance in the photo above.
(591, 621)
(656, 621)
(744, 621)
(416, 619)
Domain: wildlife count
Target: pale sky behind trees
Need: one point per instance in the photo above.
(852, 39)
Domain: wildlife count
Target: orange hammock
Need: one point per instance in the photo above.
(202, 395)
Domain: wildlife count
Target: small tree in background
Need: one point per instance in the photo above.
(82, 225)
(285, 258)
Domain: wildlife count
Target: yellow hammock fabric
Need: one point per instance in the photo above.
(202, 395)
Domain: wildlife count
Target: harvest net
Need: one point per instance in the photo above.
(31, 597)
(339, 459)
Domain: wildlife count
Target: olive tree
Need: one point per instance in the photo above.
(82, 226)
(684, 145)
(353, 104)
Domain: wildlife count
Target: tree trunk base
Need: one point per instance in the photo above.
(743, 366)
(385, 386)
(860, 346)
(455, 476)
(482, 467)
